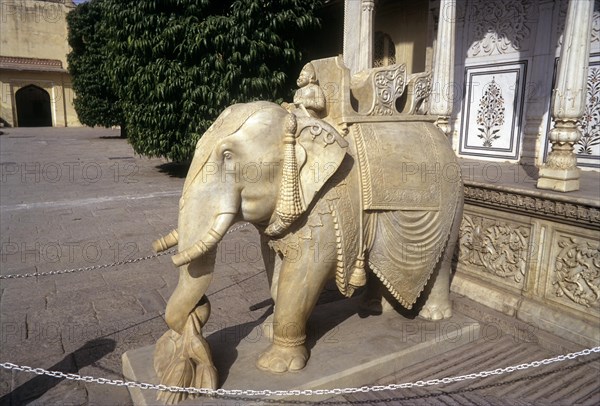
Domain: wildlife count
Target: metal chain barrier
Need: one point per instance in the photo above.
(103, 266)
(300, 392)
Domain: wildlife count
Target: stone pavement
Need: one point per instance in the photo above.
(80, 197)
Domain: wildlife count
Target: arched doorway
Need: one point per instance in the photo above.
(33, 107)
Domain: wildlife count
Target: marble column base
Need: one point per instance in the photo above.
(561, 180)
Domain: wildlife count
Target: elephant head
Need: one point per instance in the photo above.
(258, 162)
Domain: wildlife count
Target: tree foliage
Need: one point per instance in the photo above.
(96, 102)
(176, 64)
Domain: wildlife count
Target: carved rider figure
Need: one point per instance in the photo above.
(309, 95)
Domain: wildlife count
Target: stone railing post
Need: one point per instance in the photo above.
(568, 100)
(443, 66)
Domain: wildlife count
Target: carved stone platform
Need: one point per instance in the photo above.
(531, 254)
(346, 350)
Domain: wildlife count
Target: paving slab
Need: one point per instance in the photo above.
(346, 350)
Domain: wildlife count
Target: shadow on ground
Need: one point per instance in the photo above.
(89, 353)
(437, 396)
(174, 169)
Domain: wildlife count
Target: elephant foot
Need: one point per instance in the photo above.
(436, 311)
(184, 360)
(279, 359)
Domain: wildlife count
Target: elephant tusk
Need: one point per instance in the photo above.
(166, 242)
(212, 238)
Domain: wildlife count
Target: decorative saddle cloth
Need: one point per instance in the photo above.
(410, 198)
(398, 175)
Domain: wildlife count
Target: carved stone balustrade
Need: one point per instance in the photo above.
(532, 255)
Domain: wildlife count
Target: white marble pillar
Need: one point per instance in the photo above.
(358, 34)
(365, 60)
(537, 98)
(351, 48)
(568, 99)
(443, 66)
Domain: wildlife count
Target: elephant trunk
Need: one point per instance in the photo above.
(166, 242)
(208, 242)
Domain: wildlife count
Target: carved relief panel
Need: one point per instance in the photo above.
(499, 27)
(496, 248)
(574, 271)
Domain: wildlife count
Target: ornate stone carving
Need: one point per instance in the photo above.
(384, 52)
(499, 26)
(495, 247)
(368, 5)
(418, 89)
(577, 271)
(490, 115)
(309, 95)
(389, 85)
(376, 90)
(561, 157)
(536, 206)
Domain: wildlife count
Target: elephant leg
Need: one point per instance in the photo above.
(375, 299)
(182, 355)
(272, 264)
(438, 305)
(301, 280)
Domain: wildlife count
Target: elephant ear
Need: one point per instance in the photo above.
(324, 150)
(313, 151)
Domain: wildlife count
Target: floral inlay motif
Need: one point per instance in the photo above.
(589, 125)
(490, 115)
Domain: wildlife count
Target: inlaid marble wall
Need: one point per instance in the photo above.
(506, 61)
(493, 110)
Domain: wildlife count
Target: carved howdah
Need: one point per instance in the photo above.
(370, 186)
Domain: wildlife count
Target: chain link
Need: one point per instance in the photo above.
(103, 266)
(299, 392)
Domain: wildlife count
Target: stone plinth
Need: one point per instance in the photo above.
(345, 351)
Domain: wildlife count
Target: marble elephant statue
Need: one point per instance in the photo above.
(375, 203)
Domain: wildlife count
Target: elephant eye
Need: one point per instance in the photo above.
(227, 155)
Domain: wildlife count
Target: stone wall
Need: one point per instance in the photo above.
(34, 29)
(33, 52)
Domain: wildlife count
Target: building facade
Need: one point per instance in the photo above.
(34, 80)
